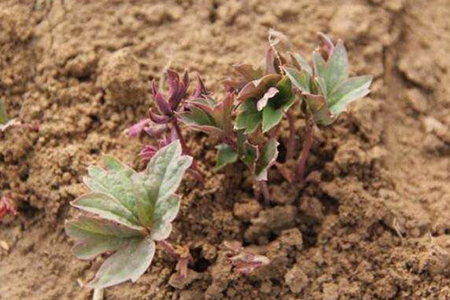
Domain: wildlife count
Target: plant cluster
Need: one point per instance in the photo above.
(134, 210)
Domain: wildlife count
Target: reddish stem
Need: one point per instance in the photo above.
(187, 151)
(300, 173)
(265, 192)
(291, 142)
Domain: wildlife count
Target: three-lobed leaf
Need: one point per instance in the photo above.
(132, 210)
(326, 87)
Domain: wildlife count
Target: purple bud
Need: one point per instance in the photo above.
(328, 47)
(177, 88)
(137, 128)
(158, 119)
(162, 104)
(200, 90)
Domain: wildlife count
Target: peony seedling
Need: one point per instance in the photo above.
(128, 213)
(325, 87)
(215, 118)
(264, 95)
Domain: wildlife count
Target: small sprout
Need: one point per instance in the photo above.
(163, 119)
(129, 212)
(326, 86)
(6, 207)
(326, 89)
(244, 261)
(181, 255)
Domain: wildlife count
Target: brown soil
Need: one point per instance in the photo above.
(374, 224)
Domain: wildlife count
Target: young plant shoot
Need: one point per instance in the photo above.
(128, 213)
(163, 120)
(325, 89)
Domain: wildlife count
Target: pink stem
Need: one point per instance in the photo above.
(187, 151)
(291, 141)
(306, 150)
(265, 191)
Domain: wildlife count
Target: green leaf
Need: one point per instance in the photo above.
(165, 212)
(248, 117)
(271, 117)
(225, 155)
(268, 157)
(300, 79)
(96, 236)
(335, 70)
(348, 91)
(106, 207)
(302, 64)
(128, 263)
(196, 117)
(134, 210)
(165, 171)
(117, 183)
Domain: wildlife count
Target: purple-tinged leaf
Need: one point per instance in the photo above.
(268, 157)
(257, 88)
(248, 72)
(177, 88)
(162, 105)
(271, 92)
(200, 91)
(128, 263)
(95, 236)
(271, 62)
(158, 119)
(151, 128)
(328, 46)
(137, 129)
